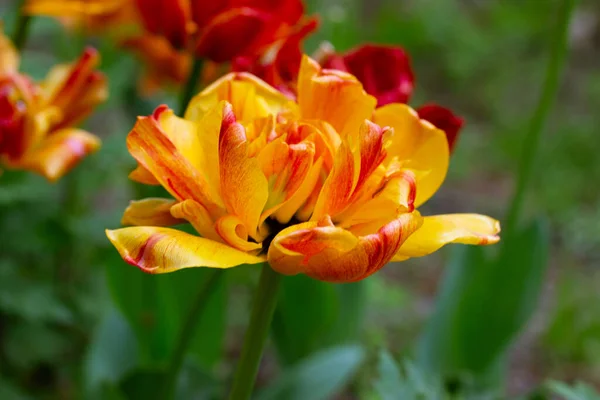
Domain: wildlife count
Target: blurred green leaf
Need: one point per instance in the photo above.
(317, 377)
(111, 354)
(305, 313)
(144, 384)
(483, 304)
(411, 383)
(579, 391)
(329, 315)
(11, 392)
(156, 306)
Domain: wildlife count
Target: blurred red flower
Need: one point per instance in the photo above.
(444, 119)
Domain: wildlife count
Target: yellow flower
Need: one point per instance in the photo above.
(327, 186)
(36, 121)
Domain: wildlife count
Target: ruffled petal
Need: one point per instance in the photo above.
(150, 212)
(244, 188)
(232, 230)
(250, 98)
(197, 216)
(334, 96)
(417, 145)
(151, 147)
(160, 250)
(332, 254)
(60, 152)
(439, 230)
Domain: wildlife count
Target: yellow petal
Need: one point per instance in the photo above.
(244, 188)
(249, 96)
(418, 145)
(332, 254)
(9, 57)
(198, 216)
(142, 175)
(160, 250)
(151, 147)
(333, 96)
(150, 212)
(60, 152)
(439, 230)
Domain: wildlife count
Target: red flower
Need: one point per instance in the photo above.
(444, 119)
(280, 63)
(384, 71)
(220, 30)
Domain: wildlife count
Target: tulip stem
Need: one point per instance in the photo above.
(558, 53)
(191, 85)
(265, 299)
(22, 27)
(187, 331)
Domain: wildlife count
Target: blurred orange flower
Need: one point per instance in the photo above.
(36, 120)
(91, 15)
(327, 185)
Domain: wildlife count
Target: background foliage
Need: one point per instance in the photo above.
(76, 322)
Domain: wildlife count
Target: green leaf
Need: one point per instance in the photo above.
(579, 391)
(144, 384)
(112, 353)
(311, 314)
(410, 383)
(156, 306)
(305, 313)
(320, 376)
(483, 304)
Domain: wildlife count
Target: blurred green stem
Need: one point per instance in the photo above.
(558, 53)
(22, 27)
(187, 331)
(190, 86)
(265, 300)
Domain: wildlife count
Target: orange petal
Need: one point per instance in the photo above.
(285, 166)
(417, 145)
(333, 96)
(332, 254)
(160, 250)
(8, 55)
(69, 87)
(234, 233)
(356, 160)
(60, 152)
(244, 188)
(150, 146)
(142, 175)
(151, 212)
(198, 216)
(439, 230)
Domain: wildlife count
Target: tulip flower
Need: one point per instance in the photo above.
(327, 185)
(443, 119)
(37, 120)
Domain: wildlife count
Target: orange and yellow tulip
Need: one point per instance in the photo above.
(37, 120)
(327, 185)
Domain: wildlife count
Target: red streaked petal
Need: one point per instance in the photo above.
(158, 250)
(332, 254)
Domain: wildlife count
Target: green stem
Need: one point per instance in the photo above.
(22, 28)
(187, 331)
(265, 299)
(556, 62)
(191, 85)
